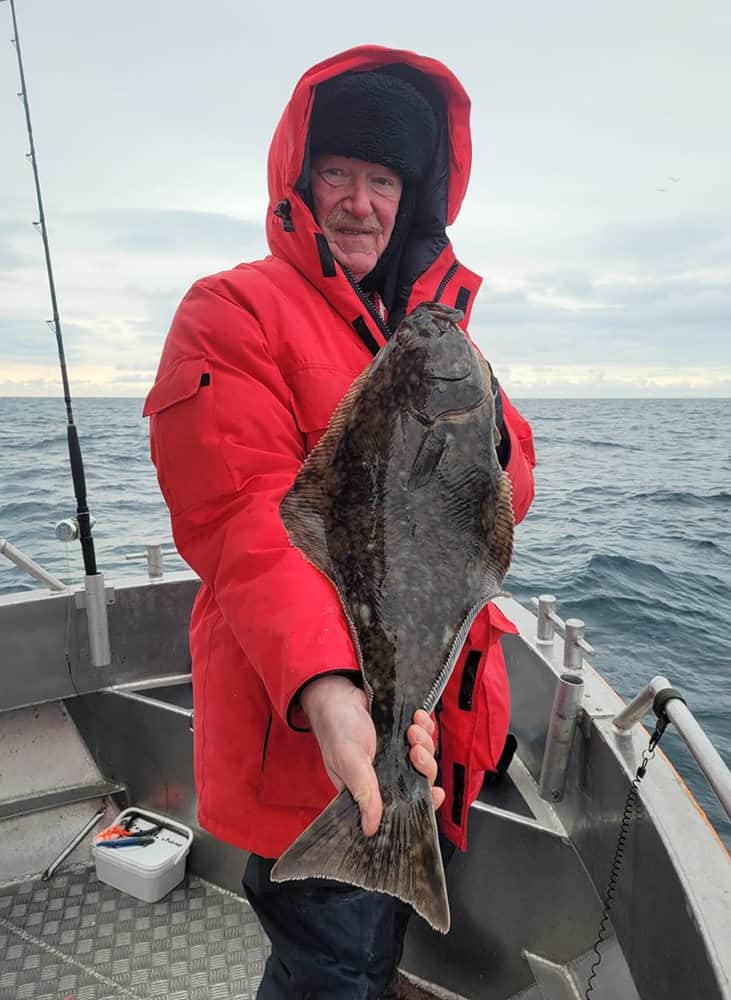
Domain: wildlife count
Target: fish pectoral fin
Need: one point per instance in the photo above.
(427, 459)
(402, 858)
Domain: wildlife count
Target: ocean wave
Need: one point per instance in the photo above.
(21, 510)
(583, 442)
(684, 498)
(56, 442)
(708, 545)
(601, 491)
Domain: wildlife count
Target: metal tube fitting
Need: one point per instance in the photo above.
(574, 644)
(702, 750)
(96, 619)
(24, 562)
(560, 738)
(640, 705)
(74, 843)
(154, 554)
(547, 618)
(154, 561)
(545, 629)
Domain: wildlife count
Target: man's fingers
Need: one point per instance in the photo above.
(371, 810)
(418, 736)
(424, 720)
(424, 763)
(361, 781)
(437, 796)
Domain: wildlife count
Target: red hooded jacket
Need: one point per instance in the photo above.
(255, 362)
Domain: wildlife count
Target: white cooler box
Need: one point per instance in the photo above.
(148, 871)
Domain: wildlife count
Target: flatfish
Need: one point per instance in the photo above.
(404, 507)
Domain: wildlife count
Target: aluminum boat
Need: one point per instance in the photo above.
(79, 743)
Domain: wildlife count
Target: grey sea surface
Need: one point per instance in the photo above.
(630, 528)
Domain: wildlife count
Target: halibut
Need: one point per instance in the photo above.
(404, 507)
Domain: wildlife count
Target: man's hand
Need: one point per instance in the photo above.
(338, 713)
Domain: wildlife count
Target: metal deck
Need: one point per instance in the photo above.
(74, 938)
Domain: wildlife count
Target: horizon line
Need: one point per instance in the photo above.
(512, 397)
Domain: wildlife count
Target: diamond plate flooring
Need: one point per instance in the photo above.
(74, 938)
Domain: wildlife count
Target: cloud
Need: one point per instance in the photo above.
(178, 232)
(24, 339)
(637, 296)
(119, 277)
(673, 242)
(16, 245)
(593, 381)
(593, 318)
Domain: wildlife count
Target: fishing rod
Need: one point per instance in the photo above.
(96, 607)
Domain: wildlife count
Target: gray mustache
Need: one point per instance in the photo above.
(341, 220)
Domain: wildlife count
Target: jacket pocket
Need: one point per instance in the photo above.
(186, 442)
(493, 712)
(316, 392)
(292, 772)
(492, 694)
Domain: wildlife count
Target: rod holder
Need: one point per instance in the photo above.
(574, 644)
(547, 618)
(560, 739)
(96, 619)
(154, 555)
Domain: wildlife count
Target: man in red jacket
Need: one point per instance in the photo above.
(368, 166)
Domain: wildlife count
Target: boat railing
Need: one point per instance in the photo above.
(154, 554)
(29, 566)
(659, 695)
(662, 698)
(575, 645)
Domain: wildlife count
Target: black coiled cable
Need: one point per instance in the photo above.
(629, 810)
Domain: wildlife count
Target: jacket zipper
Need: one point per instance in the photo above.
(445, 280)
(381, 324)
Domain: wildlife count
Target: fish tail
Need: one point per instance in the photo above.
(402, 858)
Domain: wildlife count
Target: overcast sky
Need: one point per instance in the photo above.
(599, 210)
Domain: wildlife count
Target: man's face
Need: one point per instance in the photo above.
(355, 206)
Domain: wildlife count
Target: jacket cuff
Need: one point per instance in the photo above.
(296, 718)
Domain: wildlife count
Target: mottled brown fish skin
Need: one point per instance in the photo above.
(405, 508)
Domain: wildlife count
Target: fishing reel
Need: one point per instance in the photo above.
(68, 529)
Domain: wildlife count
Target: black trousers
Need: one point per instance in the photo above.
(329, 940)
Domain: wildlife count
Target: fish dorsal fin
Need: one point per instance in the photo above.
(445, 673)
(501, 538)
(304, 507)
